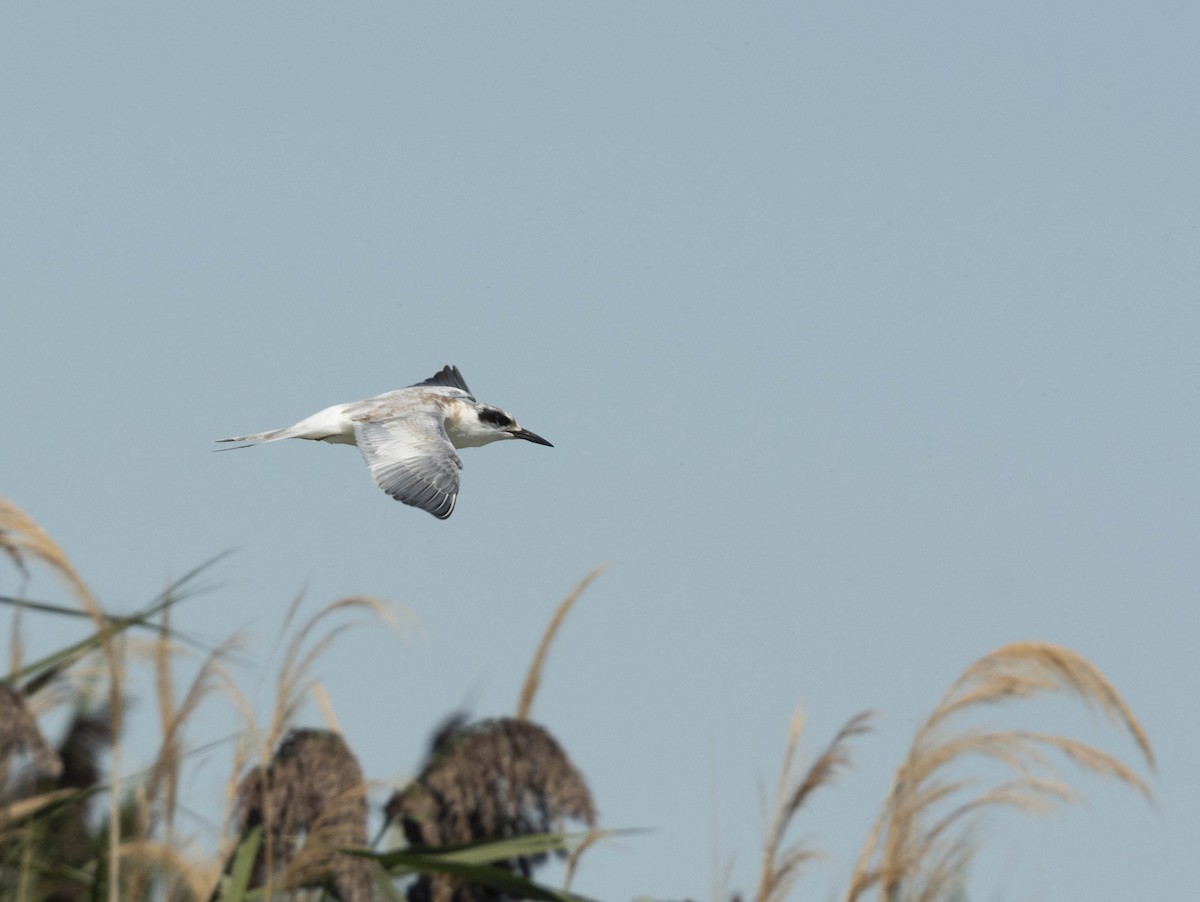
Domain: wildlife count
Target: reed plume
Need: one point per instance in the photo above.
(781, 864)
(920, 845)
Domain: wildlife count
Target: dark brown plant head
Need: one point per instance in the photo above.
(310, 799)
(19, 733)
(497, 779)
(88, 737)
(65, 838)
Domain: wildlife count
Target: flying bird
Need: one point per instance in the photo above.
(408, 437)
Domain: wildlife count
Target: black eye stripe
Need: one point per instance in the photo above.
(495, 417)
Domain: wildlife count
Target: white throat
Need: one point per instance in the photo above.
(465, 430)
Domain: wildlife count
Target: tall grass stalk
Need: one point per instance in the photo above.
(533, 677)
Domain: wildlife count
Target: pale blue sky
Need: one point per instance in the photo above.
(866, 335)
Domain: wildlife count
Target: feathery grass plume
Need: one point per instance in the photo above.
(293, 682)
(11, 548)
(158, 860)
(19, 535)
(69, 673)
(919, 847)
(211, 677)
(534, 677)
(497, 779)
(781, 865)
(19, 733)
(310, 800)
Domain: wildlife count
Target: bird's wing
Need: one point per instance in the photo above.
(412, 459)
(446, 377)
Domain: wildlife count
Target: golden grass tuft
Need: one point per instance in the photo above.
(920, 845)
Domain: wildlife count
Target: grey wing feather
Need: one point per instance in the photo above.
(412, 460)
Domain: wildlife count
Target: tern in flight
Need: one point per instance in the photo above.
(408, 436)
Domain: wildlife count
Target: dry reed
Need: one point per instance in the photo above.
(781, 865)
(920, 846)
(494, 780)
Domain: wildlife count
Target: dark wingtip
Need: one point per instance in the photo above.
(447, 377)
(442, 511)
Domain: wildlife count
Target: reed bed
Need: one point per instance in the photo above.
(493, 801)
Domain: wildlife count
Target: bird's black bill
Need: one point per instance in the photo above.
(529, 437)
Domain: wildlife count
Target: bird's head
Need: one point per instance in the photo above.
(493, 424)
